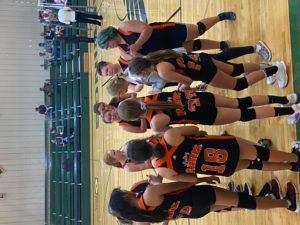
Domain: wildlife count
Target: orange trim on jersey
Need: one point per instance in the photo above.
(186, 121)
(137, 184)
(122, 124)
(126, 33)
(167, 157)
(121, 49)
(143, 206)
(154, 140)
(162, 26)
(123, 61)
(147, 100)
(211, 137)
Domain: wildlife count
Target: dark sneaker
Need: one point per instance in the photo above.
(230, 186)
(295, 167)
(239, 188)
(266, 190)
(247, 189)
(264, 142)
(227, 16)
(291, 196)
(275, 190)
(297, 152)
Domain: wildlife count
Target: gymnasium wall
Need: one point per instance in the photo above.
(22, 133)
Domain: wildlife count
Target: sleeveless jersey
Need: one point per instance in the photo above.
(164, 36)
(193, 202)
(198, 107)
(213, 155)
(196, 66)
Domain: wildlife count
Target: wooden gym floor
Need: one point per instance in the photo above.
(266, 20)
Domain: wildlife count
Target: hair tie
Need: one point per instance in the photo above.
(143, 106)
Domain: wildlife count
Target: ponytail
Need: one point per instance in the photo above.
(132, 109)
(138, 64)
(120, 206)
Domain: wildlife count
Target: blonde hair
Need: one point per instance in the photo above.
(111, 161)
(138, 64)
(133, 109)
(116, 84)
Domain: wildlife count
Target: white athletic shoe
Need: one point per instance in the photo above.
(270, 80)
(295, 144)
(263, 51)
(294, 118)
(281, 75)
(292, 98)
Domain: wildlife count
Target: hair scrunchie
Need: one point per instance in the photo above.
(143, 106)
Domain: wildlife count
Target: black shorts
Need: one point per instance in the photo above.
(176, 35)
(206, 98)
(206, 114)
(208, 68)
(203, 197)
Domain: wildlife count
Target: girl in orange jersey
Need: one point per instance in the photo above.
(170, 201)
(186, 68)
(138, 38)
(175, 107)
(183, 152)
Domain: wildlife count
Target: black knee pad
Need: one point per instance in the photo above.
(247, 114)
(263, 153)
(201, 28)
(241, 84)
(245, 102)
(238, 69)
(246, 201)
(255, 165)
(197, 45)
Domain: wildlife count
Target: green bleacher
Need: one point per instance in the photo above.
(68, 179)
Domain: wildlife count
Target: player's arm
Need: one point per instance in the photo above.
(134, 129)
(160, 123)
(167, 72)
(136, 26)
(135, 87)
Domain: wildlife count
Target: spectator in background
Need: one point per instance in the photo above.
(75, 39)
(48, 88)
(49, 16)
(44, 110)
(67, 16)
(59, 1)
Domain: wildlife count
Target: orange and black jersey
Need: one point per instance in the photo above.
(198, 107)
(123, 63)
(193, 202)
(164, 36)
(135, 123)
(213, 155)
(195, 66)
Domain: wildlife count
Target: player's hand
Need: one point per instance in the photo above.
(183, 87)
(133, 49)
(201, 133)
(154, 180)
